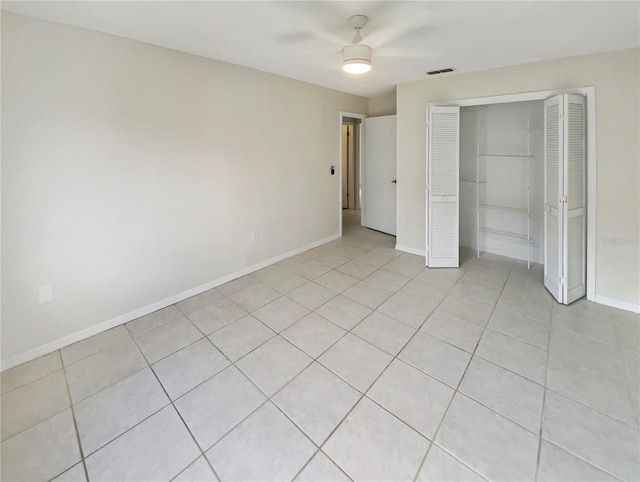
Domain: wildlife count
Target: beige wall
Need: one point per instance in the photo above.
(383, 104)
(616, 79)
(131, 173)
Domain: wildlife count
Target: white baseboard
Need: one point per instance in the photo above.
(410, 250)
(623, 305)
(145, 310)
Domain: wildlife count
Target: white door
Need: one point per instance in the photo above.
(553, 168)
(565, 197)
(380, 174)
(443, 166)
(575, 202)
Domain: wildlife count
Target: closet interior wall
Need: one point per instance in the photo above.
(501, 179)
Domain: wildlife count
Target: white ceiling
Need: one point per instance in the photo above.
(303, 40)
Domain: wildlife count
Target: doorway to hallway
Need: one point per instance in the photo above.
(350, 220)
(350, 163)
(350, 170)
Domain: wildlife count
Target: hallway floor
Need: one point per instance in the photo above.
(349, 361)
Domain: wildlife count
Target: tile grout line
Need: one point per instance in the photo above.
(314, 360)
(149, 366)
(3, 393)
(393, 359)
(231, 364)
(75, 425)
(348, 331)
(598, 411)
(570, 397)
(456, 390)
(176, 411)
(627, 377)
(108, 347)
(308, 462)
(582, 459)
(544, 398)
(364, 394)
(267, 397)
(584, 403)
(71, 401)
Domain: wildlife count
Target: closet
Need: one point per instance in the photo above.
(510, 179)
(501, 179)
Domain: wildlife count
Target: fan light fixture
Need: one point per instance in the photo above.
(356, 58)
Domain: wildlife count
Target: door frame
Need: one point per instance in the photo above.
(590, 95)
(352, 155)
(361, 164)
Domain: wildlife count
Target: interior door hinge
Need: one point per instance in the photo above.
(562, 281)
(563, 117)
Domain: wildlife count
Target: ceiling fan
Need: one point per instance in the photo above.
(396, 32)
(356, 57)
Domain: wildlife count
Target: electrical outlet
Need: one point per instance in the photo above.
(254, 235)
(45, 294)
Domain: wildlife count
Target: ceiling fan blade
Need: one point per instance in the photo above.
(404, 53)
(399, 21)
(310, 36)
(311, 21)
(294, 37)
(392, 36)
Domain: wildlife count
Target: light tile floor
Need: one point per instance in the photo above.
(349, 361)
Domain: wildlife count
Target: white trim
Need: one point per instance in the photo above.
(360, 167)
(623, 305)
(426, 193)
(145, 310)
(410, 250)
(592, 245)
(589, 93)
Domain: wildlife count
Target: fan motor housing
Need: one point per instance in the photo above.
(358, 21)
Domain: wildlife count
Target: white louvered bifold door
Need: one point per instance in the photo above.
(575, 202)
(553, 174)
(443, 128)
(565, 197)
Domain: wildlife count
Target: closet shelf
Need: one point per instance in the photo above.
(501, 156)
(504, 208)
(472, 182)
(507, 234)
(490, 167)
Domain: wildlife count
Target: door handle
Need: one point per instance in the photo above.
(394, 181)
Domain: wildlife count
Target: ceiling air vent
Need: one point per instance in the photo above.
(441, 71)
